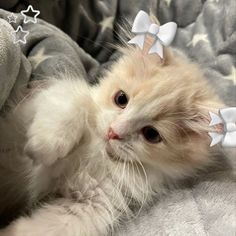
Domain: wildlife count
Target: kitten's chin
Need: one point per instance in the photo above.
(113, 155)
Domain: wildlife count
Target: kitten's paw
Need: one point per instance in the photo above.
(45, 150)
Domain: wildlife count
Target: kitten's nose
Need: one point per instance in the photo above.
(112, 135)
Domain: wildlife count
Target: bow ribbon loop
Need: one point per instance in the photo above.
(164, 34)
(227, 117)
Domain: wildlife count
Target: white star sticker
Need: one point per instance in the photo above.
(168, 2)
(232, 75)
(23, 34)
(39, 57)
(107, 23)
(197, 38)
(26, 18)
(12, 18)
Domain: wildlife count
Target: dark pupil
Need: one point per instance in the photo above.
(122, 99)
(150, 134)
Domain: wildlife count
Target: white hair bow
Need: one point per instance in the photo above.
(227, 117)
(164, 34)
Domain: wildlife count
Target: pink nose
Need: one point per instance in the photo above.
(112, 135)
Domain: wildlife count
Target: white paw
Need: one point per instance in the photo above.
(46, 148)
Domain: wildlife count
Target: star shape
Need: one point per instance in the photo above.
(107, 23)
(168, 2)
(38, 58)
(12, 18)
(197, 38)
(26, 18)
(19, 39)
(232, 75)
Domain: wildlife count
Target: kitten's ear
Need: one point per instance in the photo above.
(167, 51)
(168, 57)
(197, 123)
(154, 18)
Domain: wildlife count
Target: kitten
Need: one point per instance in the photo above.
(98, 149)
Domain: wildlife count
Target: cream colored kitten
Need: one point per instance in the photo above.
(97, 149)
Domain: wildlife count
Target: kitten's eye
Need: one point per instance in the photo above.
(121, 99)
(151, 134)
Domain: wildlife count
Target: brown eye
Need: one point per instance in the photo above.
(121, 99)
(151, 134)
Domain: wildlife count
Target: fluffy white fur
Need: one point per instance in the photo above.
(63, 128)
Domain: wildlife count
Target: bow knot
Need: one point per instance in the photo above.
(230, 127)
(163, 34)
(153, 29)
(227, 117)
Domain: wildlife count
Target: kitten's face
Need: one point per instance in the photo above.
(153, 113)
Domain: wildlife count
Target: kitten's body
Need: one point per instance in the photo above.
(87, 179)
(92, 179)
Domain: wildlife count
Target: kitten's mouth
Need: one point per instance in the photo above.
(113, 156)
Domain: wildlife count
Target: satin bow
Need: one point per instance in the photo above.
(164, 34)
(227, 117)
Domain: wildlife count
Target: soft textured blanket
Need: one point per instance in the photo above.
(206, 33)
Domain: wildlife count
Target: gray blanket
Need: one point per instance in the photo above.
(206, 33)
